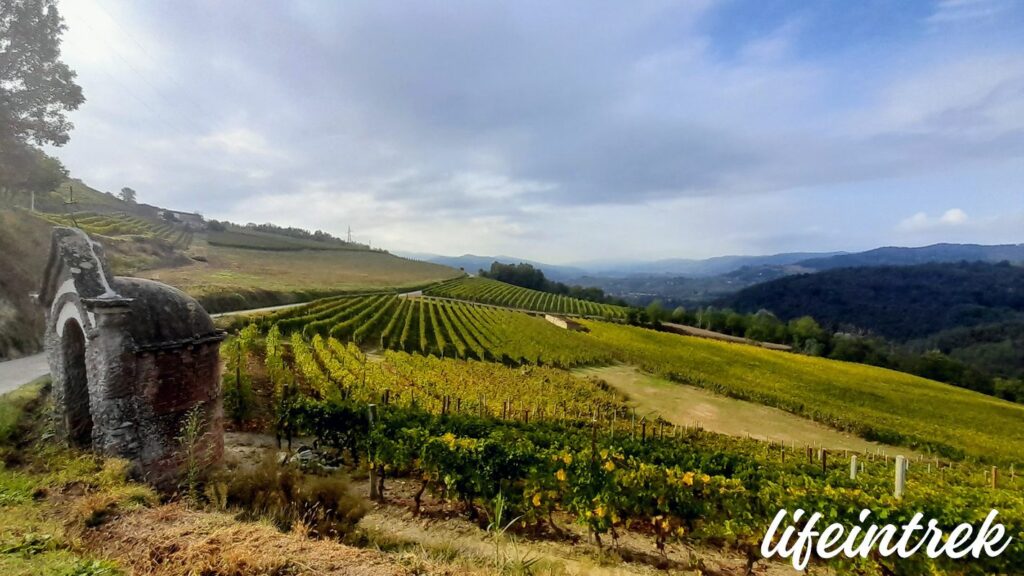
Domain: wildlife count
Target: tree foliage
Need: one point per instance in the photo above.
(897, 302)
(526, 276)
(37, 90)
(128, 195)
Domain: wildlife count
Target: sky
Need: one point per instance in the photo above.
(563, 132)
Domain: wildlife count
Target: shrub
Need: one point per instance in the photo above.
(318, 506)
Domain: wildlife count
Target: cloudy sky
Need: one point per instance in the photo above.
(564, 131)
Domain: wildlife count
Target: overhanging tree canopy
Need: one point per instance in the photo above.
(37, 90)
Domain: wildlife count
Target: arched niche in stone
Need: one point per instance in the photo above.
(129, 359)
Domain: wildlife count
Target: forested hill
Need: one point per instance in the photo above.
(898, 256)
(897, 302)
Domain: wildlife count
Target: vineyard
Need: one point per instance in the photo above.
(238, 237)
(440, 328)
(125, 225)
(874, 403)
(550, 448)
(495, 293)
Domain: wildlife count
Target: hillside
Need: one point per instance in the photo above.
(494, 292)
(235, 278)
(25, 244)
(899, 256)
(25, 247)
(871, 402)
(898, 302)
(226, 267)
(699, 282)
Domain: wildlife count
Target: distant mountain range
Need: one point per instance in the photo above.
(472, 263)
(694, 279)
(697, 268)
(894, 256)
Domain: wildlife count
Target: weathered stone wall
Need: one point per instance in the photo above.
(151, 354)
(172, 383)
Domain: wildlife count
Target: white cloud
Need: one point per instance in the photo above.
(238, 141)
(566, 130)
(921, 221)
(953, 217)
(960, 11)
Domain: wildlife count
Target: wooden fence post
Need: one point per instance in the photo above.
(853, 467)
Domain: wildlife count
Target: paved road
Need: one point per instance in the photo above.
(14, 373)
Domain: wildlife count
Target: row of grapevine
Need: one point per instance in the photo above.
(497, 293)
(125, 225)
(330, 368)
(691, 486)
(878, 404)
(440, 328)
(547, 443)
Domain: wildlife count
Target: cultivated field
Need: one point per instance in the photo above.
(239, 278)
(122, 224)
(874, 403)
(497, 293)
(548, 446)
(438, 327)
(686, 405)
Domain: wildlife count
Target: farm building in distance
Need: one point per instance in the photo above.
(190, 220)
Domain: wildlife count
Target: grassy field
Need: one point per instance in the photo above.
(689, 406)
(874, 403)
(237, 278)
(257, 240)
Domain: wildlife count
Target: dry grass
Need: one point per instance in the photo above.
(172, 540)
(238, 269)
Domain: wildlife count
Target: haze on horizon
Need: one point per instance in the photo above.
(569, 132)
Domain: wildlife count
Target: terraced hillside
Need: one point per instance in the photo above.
(123, 224)
(487, 291)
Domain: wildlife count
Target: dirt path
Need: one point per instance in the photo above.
(687, 405)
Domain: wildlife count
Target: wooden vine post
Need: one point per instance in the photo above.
(372, 414)
(853, 467)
